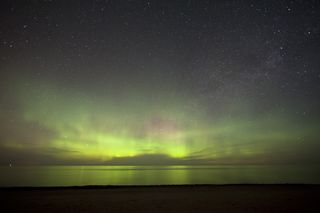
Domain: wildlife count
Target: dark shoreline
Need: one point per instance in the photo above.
(155, 186)
(163, 198)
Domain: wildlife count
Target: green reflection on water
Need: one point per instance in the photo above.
(155, 175)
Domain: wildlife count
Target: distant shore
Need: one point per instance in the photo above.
(163, 198)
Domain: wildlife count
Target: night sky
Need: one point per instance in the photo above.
(159, 82)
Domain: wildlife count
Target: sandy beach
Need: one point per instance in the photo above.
(196, 198)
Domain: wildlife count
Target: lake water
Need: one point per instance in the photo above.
(155, 175)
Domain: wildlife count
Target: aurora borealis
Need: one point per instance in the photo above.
(159, 82)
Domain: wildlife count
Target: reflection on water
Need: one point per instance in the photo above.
(155, 175)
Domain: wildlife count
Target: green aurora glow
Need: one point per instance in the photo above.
(78, 127)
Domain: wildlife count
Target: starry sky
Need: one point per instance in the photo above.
(159, 82)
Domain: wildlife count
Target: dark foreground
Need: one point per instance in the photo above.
(201, 198)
